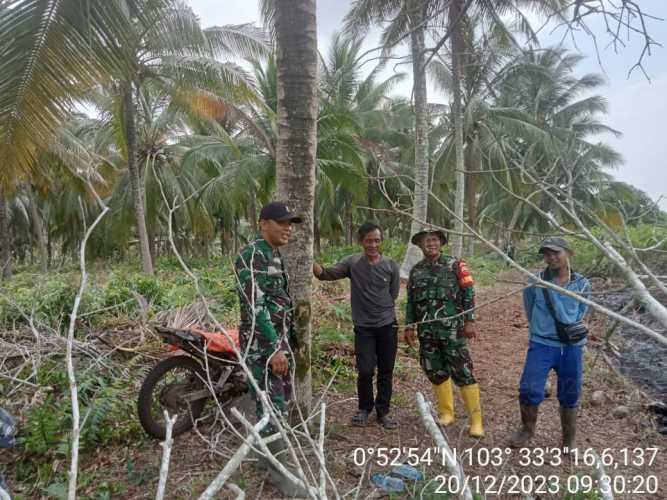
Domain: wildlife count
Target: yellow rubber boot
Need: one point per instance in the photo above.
(470, 395)
(444, 395)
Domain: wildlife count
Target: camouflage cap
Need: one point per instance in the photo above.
(555, 243)
(417, 237)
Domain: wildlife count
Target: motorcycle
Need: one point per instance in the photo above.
(182, 384)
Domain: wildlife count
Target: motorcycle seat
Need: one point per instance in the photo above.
(218, 341)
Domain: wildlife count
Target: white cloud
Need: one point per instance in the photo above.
(638, 110)
(217, 12)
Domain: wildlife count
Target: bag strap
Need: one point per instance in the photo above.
(550, 304)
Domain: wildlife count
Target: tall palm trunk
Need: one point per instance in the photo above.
(253, 211)
(349, 230)
(5, 238)
(316, 233)
(38, 229)
(136, 178)
(296, 37)
(473, 163)
(458, 45)
(420, 204)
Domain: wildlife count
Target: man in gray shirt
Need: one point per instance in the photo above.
(374, 283)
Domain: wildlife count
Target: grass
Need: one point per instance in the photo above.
(110, 295)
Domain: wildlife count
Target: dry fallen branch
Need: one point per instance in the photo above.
(603, 480)
(240, 494)
(4, 495)
(536, 279)
(71, 376)
(453, 466)
(166, 455)
(233, 463)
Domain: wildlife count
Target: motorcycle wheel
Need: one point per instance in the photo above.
(164, 388)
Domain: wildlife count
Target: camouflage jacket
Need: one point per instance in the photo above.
(438, 290)
(262, 283)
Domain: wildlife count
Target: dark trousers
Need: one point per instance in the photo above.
(375, 346)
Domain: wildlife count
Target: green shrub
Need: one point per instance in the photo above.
(106, 404)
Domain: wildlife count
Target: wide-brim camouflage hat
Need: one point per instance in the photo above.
(417, 237)
(556, 244)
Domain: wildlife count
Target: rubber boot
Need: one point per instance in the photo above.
(522, 436)
(276, 478)
(444, 395)
(470, 395)
(568, 423)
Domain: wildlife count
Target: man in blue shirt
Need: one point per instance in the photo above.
(545, 349)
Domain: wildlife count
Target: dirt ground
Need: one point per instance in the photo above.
(498, 356)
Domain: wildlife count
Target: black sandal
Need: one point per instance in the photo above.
(360, 418)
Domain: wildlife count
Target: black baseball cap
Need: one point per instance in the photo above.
(279, 212)
(555, 243)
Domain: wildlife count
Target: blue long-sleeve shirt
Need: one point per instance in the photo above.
(541, 324)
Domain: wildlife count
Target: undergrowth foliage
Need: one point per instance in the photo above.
(107, 399)
(112, 294)
(107, 386)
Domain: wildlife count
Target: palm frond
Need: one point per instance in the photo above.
(52, 52)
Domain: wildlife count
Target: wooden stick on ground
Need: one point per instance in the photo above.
(166, 455)
(453, 466)
(605, 490)
(233, 463)
(240, 494)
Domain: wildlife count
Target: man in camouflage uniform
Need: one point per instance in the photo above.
(266, 307)
(265, 328)
(441, 300)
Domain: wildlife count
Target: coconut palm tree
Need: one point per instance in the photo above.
(175, 54)
(541, 87)
(353, 112)
(51, 52)
(407, 19)
(54, 52)
(293, 22)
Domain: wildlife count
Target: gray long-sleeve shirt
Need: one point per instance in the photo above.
(374, 288)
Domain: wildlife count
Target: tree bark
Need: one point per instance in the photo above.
(38, 229)
(5, 238)
(253, 212)
(136, 179)
(420, 204)
(297, 59)
(49, 247)
(316, 234)
(473, 163)
(458, 45)
(349, 231)
(152, 244)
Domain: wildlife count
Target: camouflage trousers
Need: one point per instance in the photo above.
(277, 388)
(443, 354)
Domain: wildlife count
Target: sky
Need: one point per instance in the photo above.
(637, 105)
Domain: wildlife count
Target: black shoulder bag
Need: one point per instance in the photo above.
(567, 333)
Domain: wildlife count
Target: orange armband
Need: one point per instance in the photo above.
(463, 275)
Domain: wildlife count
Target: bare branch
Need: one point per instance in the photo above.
(166, 455)
(449, 457)
(71, 376)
